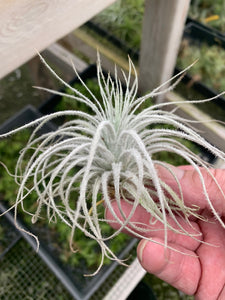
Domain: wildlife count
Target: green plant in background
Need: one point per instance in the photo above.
(123, 19)
(9, 150)
(209, 12)
(210, 67)
(163, 291)
(70, 104)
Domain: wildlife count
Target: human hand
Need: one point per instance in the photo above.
(201, 270)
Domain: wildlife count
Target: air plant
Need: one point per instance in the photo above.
(107, 155)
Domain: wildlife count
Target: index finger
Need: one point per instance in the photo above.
(155, 229)
(195, 185)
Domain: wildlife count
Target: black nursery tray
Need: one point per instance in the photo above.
(26, 115)
(204, 33)
(80, 287)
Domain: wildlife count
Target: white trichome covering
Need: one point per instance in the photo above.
(108, 155)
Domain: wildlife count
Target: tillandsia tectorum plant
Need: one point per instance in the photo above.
(108, 155)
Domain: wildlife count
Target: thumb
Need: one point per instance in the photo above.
(194, 184)
(181, 271)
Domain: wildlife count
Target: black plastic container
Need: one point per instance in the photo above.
(26, 115)
(143, 292)
(204, 33)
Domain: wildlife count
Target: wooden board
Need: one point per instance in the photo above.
(28, 26)
(161, 35)
(64, 60)
(83, 42)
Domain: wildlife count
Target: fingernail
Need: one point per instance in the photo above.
(141, 248)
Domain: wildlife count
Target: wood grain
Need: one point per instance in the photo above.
(28, 26)
(162, 31)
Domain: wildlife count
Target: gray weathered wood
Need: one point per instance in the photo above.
(83, 42)
(126, 282)
(162, 31)
(30, 25)
(64, 59)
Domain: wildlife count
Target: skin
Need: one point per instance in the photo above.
(201, 270)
